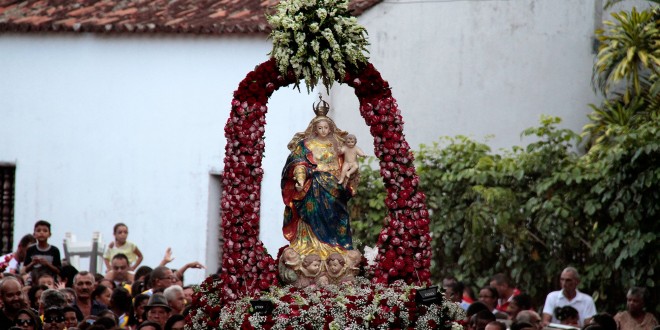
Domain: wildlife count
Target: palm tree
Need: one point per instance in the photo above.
(629, 51)
(610, 3)
(620, 111)
(626, 73)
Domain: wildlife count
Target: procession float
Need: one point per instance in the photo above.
(319, 280)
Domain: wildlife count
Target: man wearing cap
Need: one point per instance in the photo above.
(54, 319)
(157, 309)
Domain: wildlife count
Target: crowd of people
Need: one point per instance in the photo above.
(500, 306)
(38, 291)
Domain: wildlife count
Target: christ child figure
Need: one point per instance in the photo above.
(351, 152)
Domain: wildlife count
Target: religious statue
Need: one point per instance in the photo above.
(351, 153)
(316, 221)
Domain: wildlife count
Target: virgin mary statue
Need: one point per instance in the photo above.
(316, 214)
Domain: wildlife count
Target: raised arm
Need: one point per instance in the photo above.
(179, 272)
(167, 258)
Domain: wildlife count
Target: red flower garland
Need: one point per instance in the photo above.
(5, 263)
(404, 244)
(404, 250)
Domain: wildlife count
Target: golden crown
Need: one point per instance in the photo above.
(321, 108)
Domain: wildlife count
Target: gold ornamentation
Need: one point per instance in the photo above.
(322, 107)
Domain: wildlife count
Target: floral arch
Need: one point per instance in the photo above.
(318, 41)
(404, 242)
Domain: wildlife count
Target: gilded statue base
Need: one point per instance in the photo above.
(304, 270)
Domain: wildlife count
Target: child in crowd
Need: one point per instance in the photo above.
(567, 315)
(47, 280)
(121, 245)
(42, 257)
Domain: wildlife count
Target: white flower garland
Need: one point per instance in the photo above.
(317, 40)
(313, 306)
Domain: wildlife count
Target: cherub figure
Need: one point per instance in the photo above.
(354, 258)
(335, 263)
(351, 152)
(311, 265)
(291, 258)
(334, 269)
(289, 262)
(310, 269)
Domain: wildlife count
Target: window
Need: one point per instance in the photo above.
(7, 179)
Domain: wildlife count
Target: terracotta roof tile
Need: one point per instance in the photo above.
(143, 16)
(82, 11)
(123, 12)
(218, 13)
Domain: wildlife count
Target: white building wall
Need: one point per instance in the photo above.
(128, 128)
(480, 68)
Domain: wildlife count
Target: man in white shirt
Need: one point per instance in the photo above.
(569, 295)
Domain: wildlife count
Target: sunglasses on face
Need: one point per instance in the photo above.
(53, 319)
(23, 322)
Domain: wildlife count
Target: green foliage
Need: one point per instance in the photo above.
(626, 186)
(367, 209)
(532, 211)
(619, 112)
(629, 51)
(627, 73)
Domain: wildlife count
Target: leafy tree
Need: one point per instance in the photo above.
(532, 211)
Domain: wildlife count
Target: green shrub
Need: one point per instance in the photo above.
(529, 212)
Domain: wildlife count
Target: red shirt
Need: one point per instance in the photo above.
(502, 305)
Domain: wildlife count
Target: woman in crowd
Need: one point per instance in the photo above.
(34, 294)
(635, 317)
(137, 317)
(101, 295)
(26, 319)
